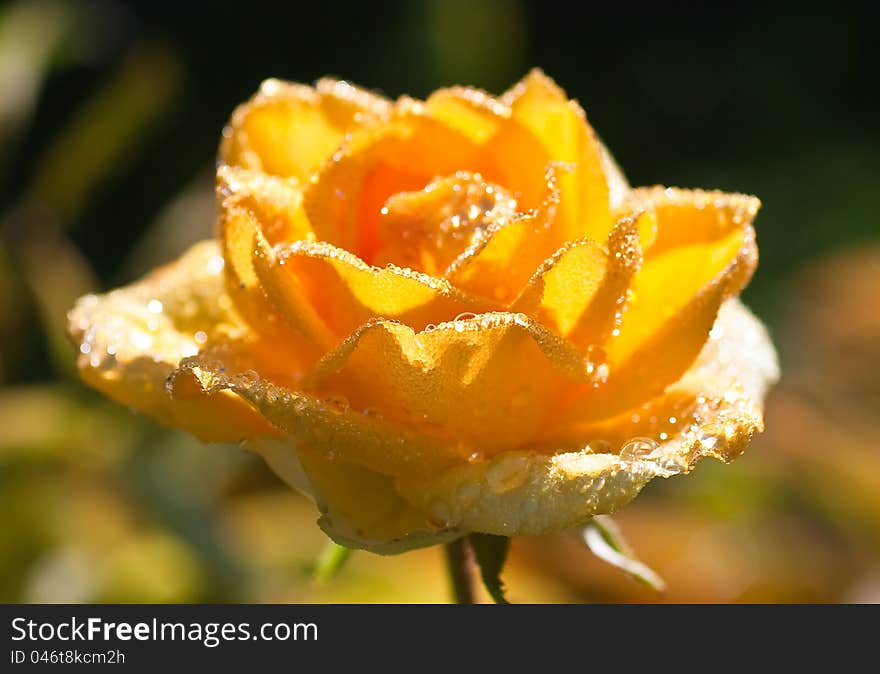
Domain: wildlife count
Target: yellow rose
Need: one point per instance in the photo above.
(444, 317)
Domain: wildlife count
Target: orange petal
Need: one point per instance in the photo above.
(699, 237)
(288, 129)
(519, 158)
(533, 493)
(689, 217)
(499, 264)
(359, 507)
(345, 199)
(334, 426)
(252, 203)
(131, 339)
(428, 229)
(581, 290)
(562, 127)
(329, 292)
(488, 381)
(676, 298)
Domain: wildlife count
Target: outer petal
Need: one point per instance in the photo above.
(561, 126)
(487, 382)
(676, 298)
(329, 292)
(345, 459)
(689, 217)
(288, 129)
(529, 493)
(359, 507)
(332, 425)
(131, 339)
(252, 204)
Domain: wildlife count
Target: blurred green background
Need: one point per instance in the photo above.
(110, 115)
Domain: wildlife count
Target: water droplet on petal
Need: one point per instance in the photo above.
(637, 448)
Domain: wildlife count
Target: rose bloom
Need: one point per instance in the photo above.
(444, 317)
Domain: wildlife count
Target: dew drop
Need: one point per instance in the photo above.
(141, 340)
(708, 442)
(637, 448)
(154, 307)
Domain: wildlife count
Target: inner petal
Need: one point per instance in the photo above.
(428, 229)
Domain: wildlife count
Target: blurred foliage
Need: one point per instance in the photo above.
(109, 121)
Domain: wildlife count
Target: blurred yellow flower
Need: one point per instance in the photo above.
(445, 316)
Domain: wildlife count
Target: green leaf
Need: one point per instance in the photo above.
(329, 562)
(605, 540)
(490, 553)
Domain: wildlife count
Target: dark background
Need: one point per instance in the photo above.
(107, 143)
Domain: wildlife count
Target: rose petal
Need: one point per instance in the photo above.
(428, 229)
(333, 425)
(676, 298)
(488, 382)
(687, 217)
(499, 264)
(580, 292)
(131, 339)
(330, 292)
(519, 157)
(530, 493)
(345, 198)
(288, 129)
(562, 127)
(359, 508)
(253, 203)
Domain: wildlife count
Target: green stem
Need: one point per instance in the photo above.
(460, 564)
(331, 560)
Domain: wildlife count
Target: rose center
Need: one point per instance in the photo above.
(428, 229)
